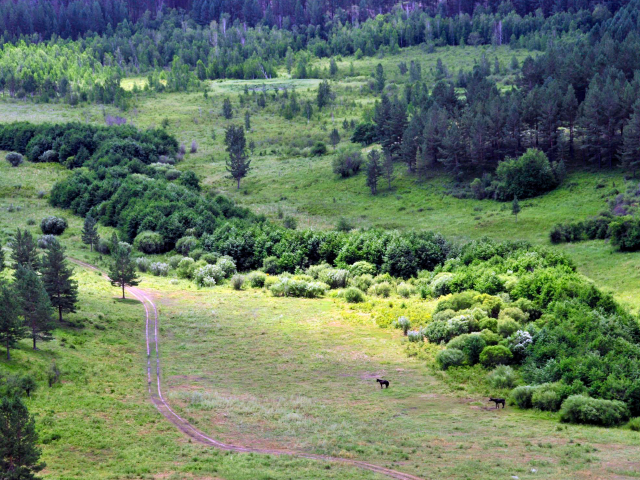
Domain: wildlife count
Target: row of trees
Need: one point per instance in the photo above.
(40, 285)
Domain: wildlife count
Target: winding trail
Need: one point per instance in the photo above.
(155, 392)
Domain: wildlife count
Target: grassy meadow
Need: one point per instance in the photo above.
(249, 368)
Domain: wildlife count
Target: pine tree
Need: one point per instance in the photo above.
(453, 150)
(227, 109)
(374, 170)
(24, 251)
(379, 78)
(238, 163)
(515, 207)
(333, 67)
(394, 128)
(387, 169)
(12, 328)
(122, 270)
(334, 137)
(631, 143)
(19, 454)
(90, 232)
(570, 114)
(56, 277)
(324, 94)
(34, 304)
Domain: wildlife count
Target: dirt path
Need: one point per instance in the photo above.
(155, 391)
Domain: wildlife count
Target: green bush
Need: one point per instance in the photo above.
(347, 162)
(470, 344)
(270, 265)
(527, 176)
(353, 295)
(634, 424)
(143, 264)
(186, 267)
(14, 158)
(502, 376)
(362, 268)
(404, 324)
(159, 269)
(257, 279)
(227, 265)
(289, 287)
(546, 397)
(174, 261)
(53, 225)
(507, 326)
(237, 281)
(450, 357)
(495, 355)
(382, 289)
(489, 337)
(405, 290)
(625, 233)
(149, 242)
(318, 149)
(415, 336)
(488, 323)
(334, 277)
(582, 409)
(363, 282)
(206, 275)
(522, 395)
(186, 244)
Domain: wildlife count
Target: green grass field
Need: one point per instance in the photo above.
(248, 368)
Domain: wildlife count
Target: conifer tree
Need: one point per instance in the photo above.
(19, 454)
(374, 170)
(387, 168)
(1, 258)
(35, 305)
(56, 277)
(122, 271)
(227, 109)
(24, 251)
(334, 137)
(324, 94)
(90, 232)
(238, 164)
(12, 328)
(515, 207)
(631, 142)
(379, 78)
(247, 121)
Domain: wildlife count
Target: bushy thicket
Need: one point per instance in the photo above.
(583, 409)
(53, 225)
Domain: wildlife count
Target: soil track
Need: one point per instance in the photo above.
(155, 392)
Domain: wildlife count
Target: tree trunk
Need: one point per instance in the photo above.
(60, 314)
(123, 290)
(238, 184)
(34, 341)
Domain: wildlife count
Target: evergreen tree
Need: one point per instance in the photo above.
(19, 454)
(90, 232)
(34, 304)
(515, 207)
(394, 128)
(333, 67)
(1, 258)
(381, 114)
(379, 79)
(56, 277)
(227, 109)
(238, 163)
(308, 110)
(324, 94)
(122, 270)
(247, 121)
(453, 150)
(24, 251)
(334, 137)
(631, 142)
(570, 114)
(12, 328)
(387, 169)
(374, 170)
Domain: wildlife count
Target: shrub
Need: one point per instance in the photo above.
(362, 268)
(507, 326)
(174, 260)
(237, 281)
(270, 265)
(470, 344)
(515, 313)
(495, 355)
(347, 163)
(382, 289)
(582, 409)
(159, 269)
(354, 295)
(546, 397)
(489, 324)
(211, 258)
(14, 158)
(290, 222)
(289, 287)
(103, 246)
(527, 176)
(143, 264)
(634, 424)
(149, 242)
(334, 277)
(415, 336)
(521, 396)
(318, 149)
(450, 357)
(227, 265)
(489, 337)
(405, 290)
(207, 275)
(172, 174)
(186, 244)
(363, 282)
(502, 376)
(186, 267)
(46, 240)
(257, 279)
(53, 225)
(404, 323)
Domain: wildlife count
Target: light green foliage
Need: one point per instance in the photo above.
(503, 376)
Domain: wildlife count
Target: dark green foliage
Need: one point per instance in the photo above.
(24, 251)
(515, 207)
(347, 163)
(374, 170)
(122, 271)
(379, 79)
(12, 328)
(35, 306)
(318, 149)
(495, 355)
(227, 109)
(323, 97)
(582, 409)
(19, 454)
(90, 234)
(53, 225)
(471, 345)
(1, 258)
(625, 233)
(334, 138)
(149, 242)
(238, 163)
(14, 158)
(56, 277)
(450, 357)
(364, 133)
